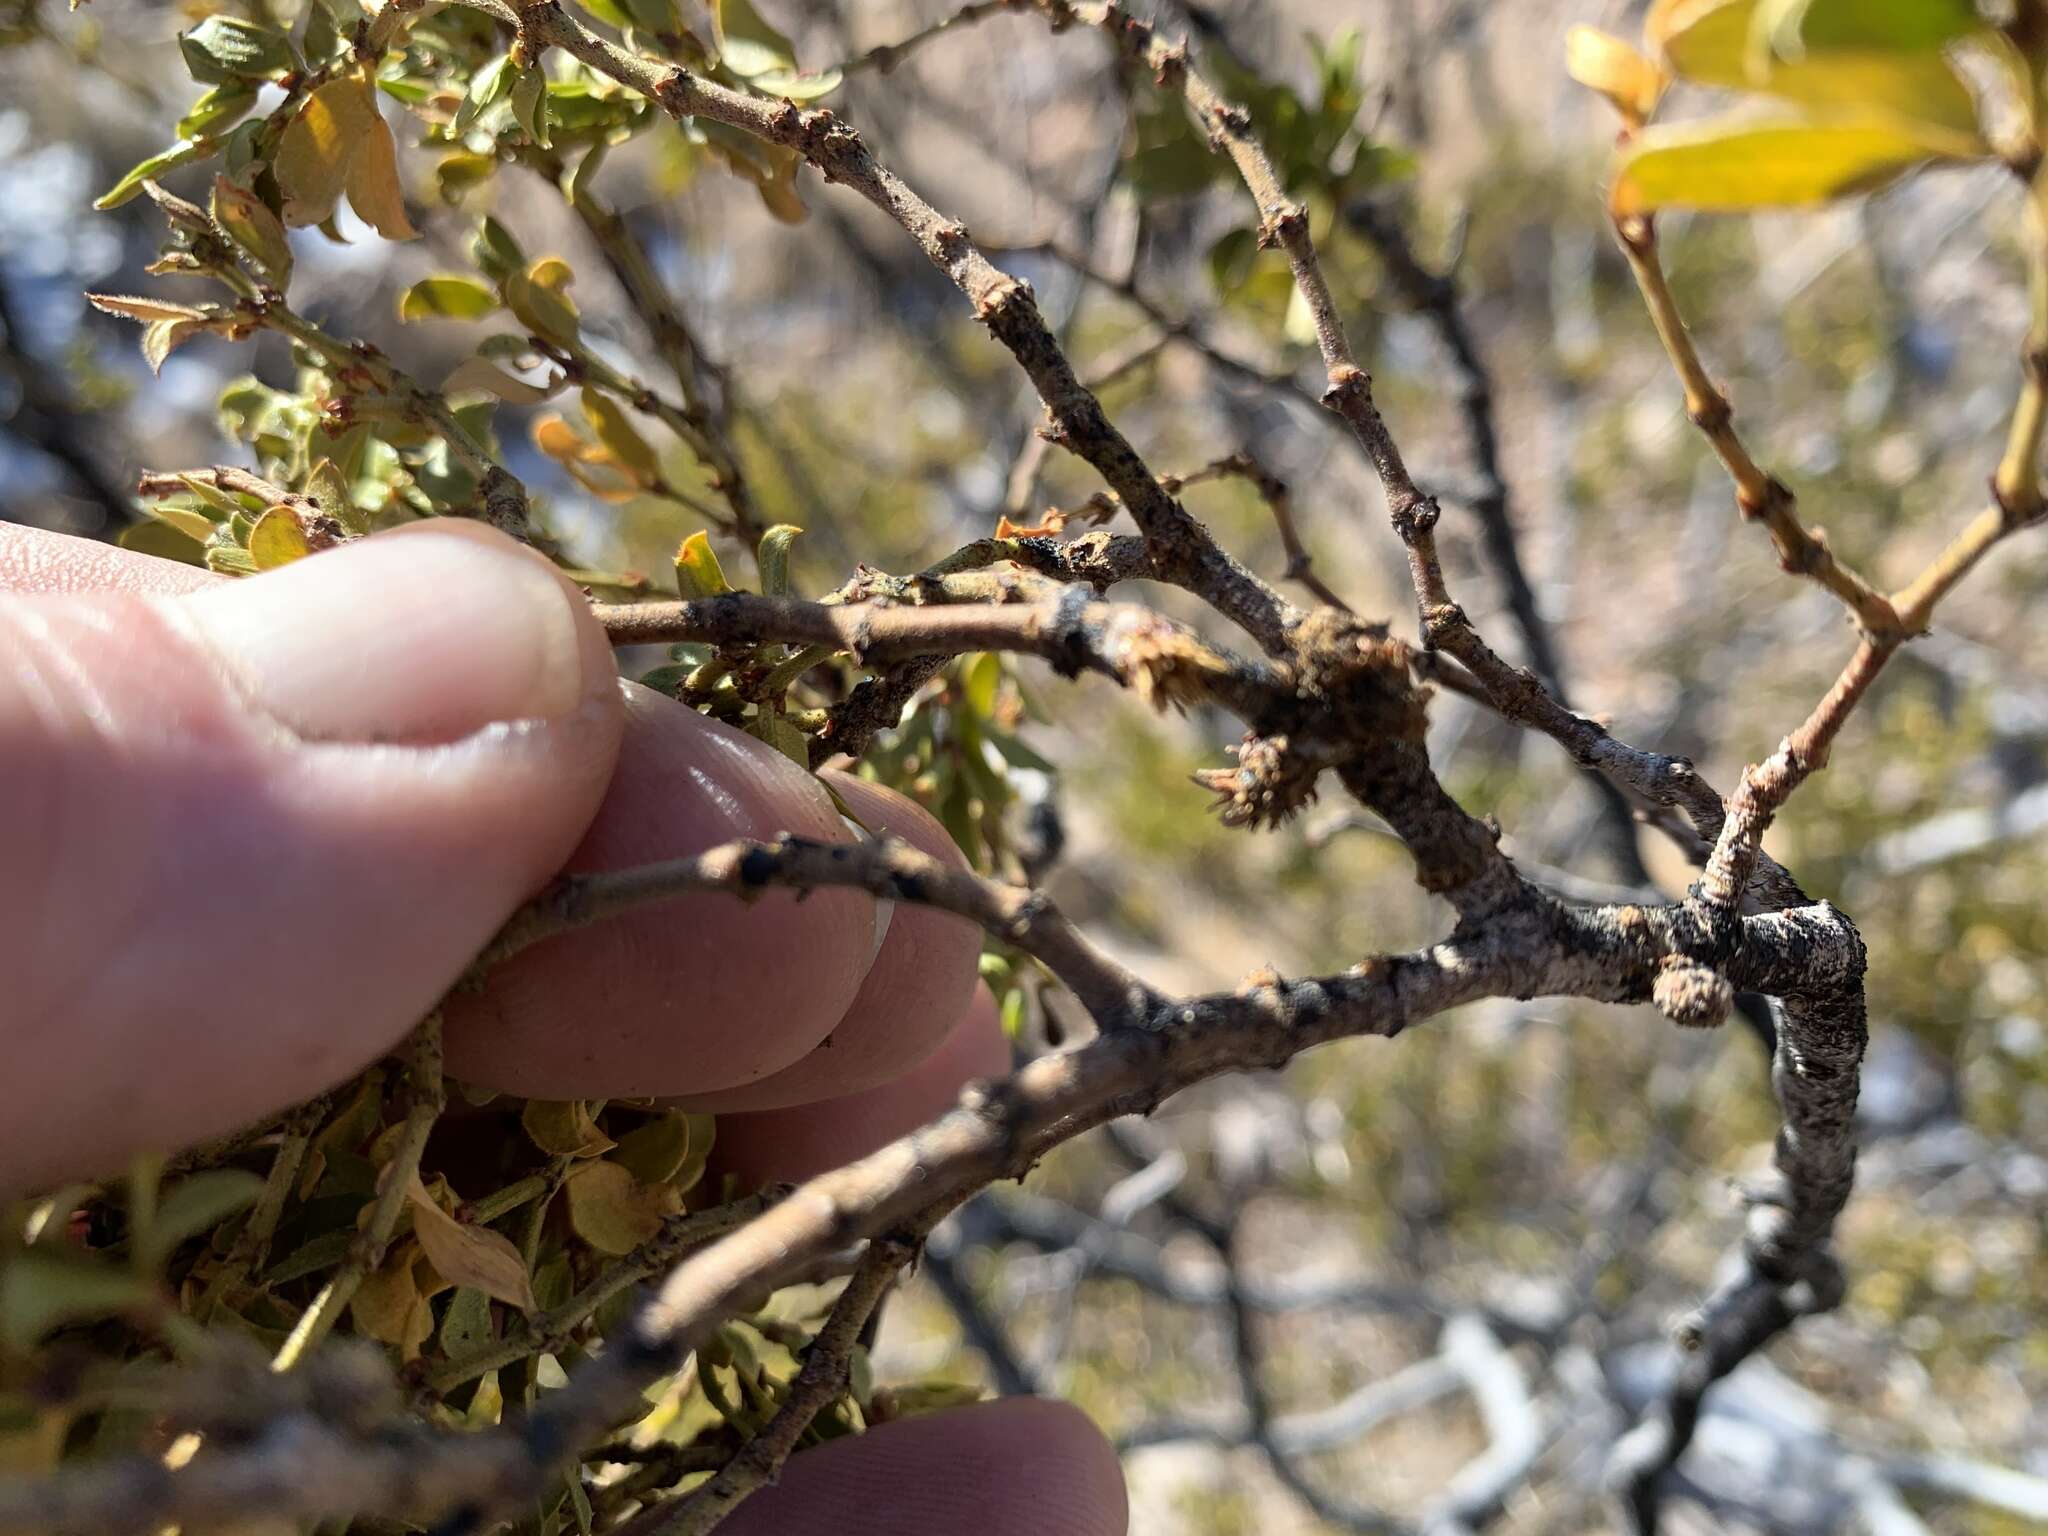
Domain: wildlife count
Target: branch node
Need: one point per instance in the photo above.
(1691, 994)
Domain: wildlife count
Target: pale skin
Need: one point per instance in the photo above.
(252, 831)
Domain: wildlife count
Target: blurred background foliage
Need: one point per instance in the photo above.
(1564, 1173)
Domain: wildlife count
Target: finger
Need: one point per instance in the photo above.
(794, 1144)
(254, 832)
(1019, 1466)
(698, 993)
(913, 995)
(32, 560)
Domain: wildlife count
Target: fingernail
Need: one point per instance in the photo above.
(416, 638)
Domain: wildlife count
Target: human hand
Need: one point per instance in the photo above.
(254, 830)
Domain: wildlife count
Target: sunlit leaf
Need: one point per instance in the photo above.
(252, 226)
(372, 182)
(1733, 165)
(278, 538)
(698, 573)
(160, 537)
(182, 153)
(317, 147)
(160, 338)
(135, 306)
(541, 309)
(453, 297)
(628, 449)
(530, 104)
(774, 559)
(479, 374)
(1714, 42)
(747, 45)
(223, 48)
(1796, 26)
(488, 85)
(1606, 64)
(215, 110)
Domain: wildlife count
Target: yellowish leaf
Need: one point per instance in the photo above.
(1718, 42)
(564, 1128)
(541, 308)
(250, 223)
(372, 182)
(470, 1256)
(669, 1149)
(698, 573)
(1731, 165)
(278, 538)
(1617, 71)
(481, 374)
(130, 306)
(629, 450)
(318, 146)
(160, 338)
(385, 1304)
(614, 1212)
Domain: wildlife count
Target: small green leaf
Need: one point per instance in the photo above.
(698, 573)
(466, 1325)
(184, 152)
(488, 85)
(477, 374)
(252, 225)
(223, 48)
(160, 338)
(215, 110)
(775, 548)
(160, 537)
(1733, 165)
(781, 734)
(322, 1252)
(798, 84)
(629, 450)
(194, 1205)
(41, 1291)
(614, 1212)
(563, 1128)
(494, 250)
(195, 521)
(278, 539)
(541, 309)
(453, 297)
(747, 45)
(1719, 45)
(1909, 26)
(671, 1148)
(579, 1501)
(530, 104)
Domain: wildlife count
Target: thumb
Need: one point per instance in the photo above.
(248, 836)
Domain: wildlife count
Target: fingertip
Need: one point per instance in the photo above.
(913, 995)
(301, 802)
(1017, 1466)
(697, 993)
(768, 1146)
